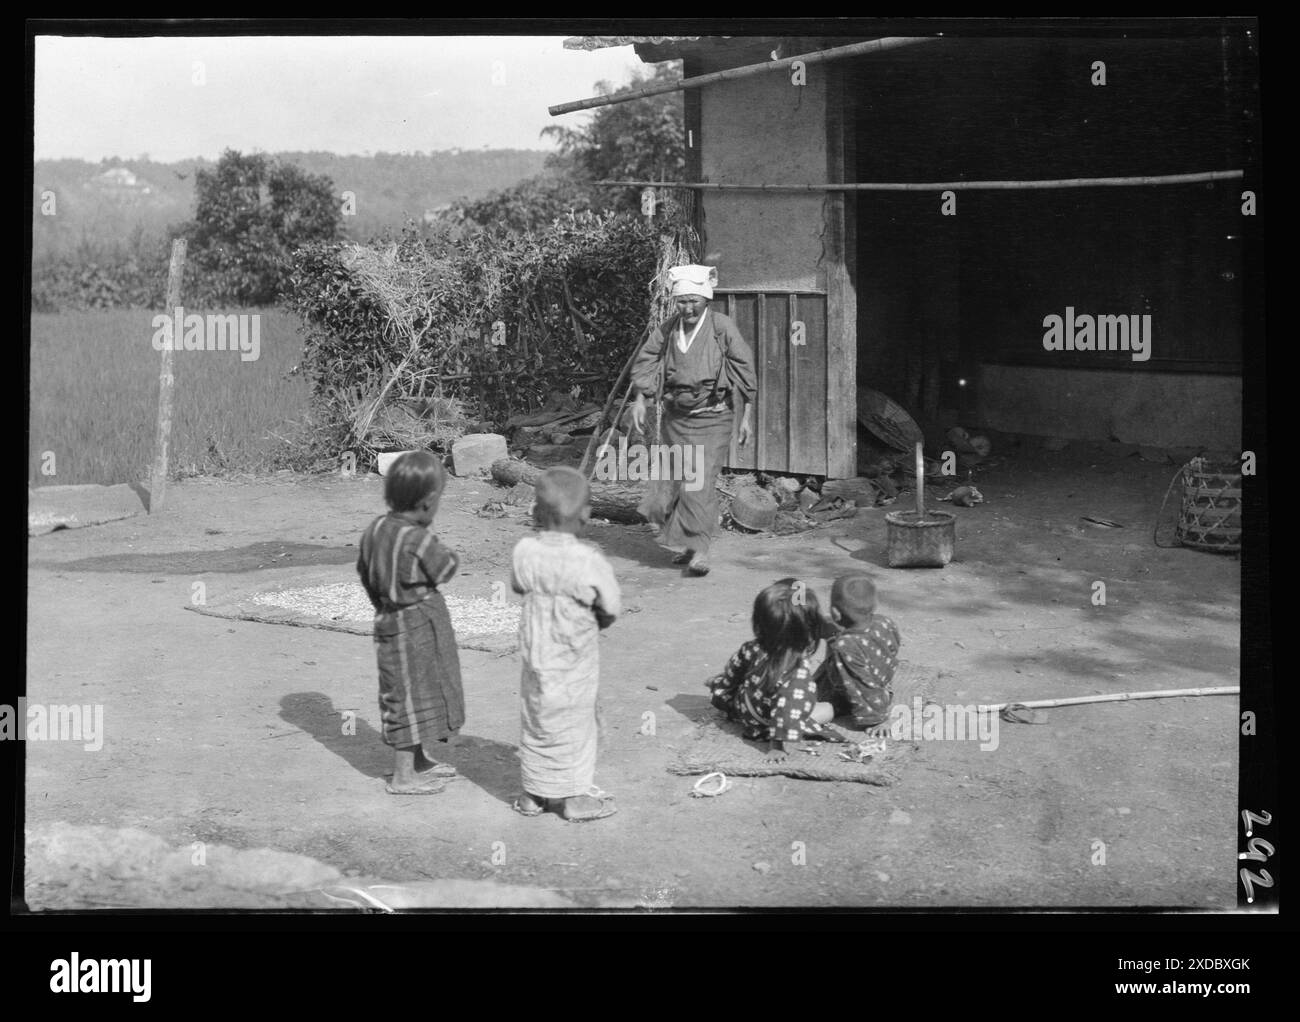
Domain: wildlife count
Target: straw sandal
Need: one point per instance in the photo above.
(435, 786)
(443, 770)
(556, 805)
(539, 805)
(596, 814)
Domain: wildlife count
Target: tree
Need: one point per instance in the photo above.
(644, 139)
(251, 214)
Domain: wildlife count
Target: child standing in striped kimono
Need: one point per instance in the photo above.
(570, 594)
(402, 564)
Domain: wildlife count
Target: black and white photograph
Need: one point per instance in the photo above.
(731, 468)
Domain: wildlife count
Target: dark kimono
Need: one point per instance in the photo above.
(857, 676)
(699, 388)
(401, 565)
(782, 712)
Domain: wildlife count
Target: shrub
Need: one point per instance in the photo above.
(498, 321)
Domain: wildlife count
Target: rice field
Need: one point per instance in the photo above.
(94, 399)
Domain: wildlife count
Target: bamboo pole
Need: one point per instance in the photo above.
(1119, 697)
(626, 374)
(938, 186)
(744, 71)
(167, 381)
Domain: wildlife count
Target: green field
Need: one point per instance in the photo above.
(94, 399)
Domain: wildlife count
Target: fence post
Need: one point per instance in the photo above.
(166, 381)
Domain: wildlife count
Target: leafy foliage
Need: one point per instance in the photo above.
(251, 214)
(419, 317)
(98, 276)
(641, 140)
(533, 203)
(644, 139)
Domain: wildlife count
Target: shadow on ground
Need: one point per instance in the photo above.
(491, 765)
(253, 557)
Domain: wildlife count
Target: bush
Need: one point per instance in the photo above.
(498, 321)
(103, 280)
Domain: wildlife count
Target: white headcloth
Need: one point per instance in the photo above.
(693, 280)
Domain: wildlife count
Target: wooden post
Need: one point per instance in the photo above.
(920, 484)
(166, 381)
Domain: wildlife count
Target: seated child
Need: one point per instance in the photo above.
(857, 676)
(570, 594)
(402, 564)
(768, 684)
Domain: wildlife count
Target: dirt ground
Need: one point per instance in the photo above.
(227, 732)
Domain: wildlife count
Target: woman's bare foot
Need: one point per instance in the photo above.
(529, 805)
(699, 565)
(416, 774)
(433, 768)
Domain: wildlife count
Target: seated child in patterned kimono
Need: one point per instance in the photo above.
(402, 564)
(768, 684)
(570, 594)
(857, 676)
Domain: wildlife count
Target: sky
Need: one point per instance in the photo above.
(178, 98)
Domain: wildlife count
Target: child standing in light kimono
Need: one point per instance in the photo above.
(570, 594)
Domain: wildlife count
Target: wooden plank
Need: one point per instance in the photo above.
(733, 454)
(841, 299)
(810, 456)
(741, 310)
(792, 430)
(761, 356)
(777, 344)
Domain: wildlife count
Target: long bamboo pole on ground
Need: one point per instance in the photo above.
(167, 381)
(744, 71)
(1119, 697)
(938, 186)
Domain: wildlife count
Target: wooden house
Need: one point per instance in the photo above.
(942, 297)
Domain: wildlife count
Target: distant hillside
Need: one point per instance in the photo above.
(104, 203)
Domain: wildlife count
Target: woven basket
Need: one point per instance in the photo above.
(917, 541)
(753, 508)
(1211, 513)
